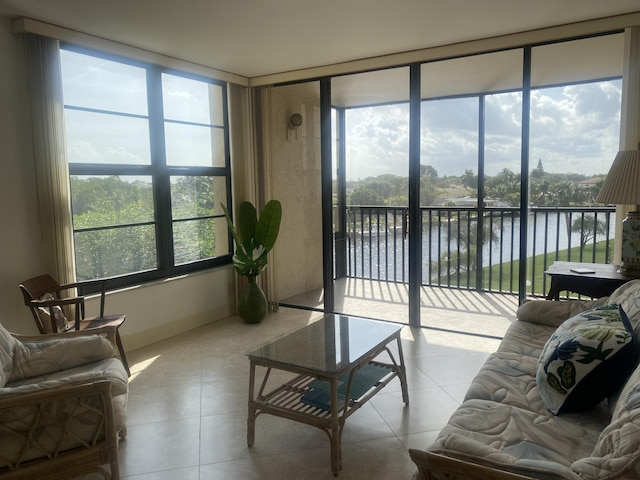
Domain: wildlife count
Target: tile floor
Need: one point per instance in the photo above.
(188, 400)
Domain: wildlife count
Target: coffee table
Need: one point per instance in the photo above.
(337, 369)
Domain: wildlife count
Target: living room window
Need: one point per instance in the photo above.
(147, 149)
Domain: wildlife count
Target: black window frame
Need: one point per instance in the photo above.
(160, 173)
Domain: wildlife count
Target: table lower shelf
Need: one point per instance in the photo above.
(287, 399)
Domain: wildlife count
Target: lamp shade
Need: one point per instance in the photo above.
(622, 185)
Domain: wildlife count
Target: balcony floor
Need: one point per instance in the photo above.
(467, 311)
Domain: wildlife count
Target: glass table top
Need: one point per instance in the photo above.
(328, 345)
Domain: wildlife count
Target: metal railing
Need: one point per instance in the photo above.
(463, 249)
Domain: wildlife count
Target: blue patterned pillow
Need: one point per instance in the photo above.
(587, 358)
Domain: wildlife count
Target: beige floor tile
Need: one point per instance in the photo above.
(190, 473)
(188, 404)
(452, 369)
(160, 446)
(428, 409)
(149, 404)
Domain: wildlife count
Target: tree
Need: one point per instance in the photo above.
(505, 186)
(464, 244)
(364, 195)
(428, 185)
(588, 228)
(469, 179)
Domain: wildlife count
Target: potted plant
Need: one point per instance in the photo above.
(254, 237)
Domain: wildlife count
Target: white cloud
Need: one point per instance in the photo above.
(574, 129)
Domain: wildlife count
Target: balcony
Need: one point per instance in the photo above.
(464, 287)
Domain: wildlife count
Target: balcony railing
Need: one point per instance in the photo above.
(463, 249)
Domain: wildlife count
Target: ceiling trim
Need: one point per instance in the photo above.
(29, 25)
(543, 35)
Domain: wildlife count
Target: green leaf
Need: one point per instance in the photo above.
(268, 226)
(553, 381)
(234, 234)
(247, 221)
(567, 374)
(592, 354)
(254, 238)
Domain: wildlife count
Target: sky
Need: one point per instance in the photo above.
(574, 129)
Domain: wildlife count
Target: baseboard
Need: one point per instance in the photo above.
(170, 329)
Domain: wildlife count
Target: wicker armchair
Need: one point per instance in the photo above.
(62, 405)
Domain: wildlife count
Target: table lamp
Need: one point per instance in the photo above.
(622, 187)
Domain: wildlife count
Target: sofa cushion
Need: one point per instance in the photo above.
(628, 297)
(587, 358)
(618, 446)
(544, 312)
(518, 440)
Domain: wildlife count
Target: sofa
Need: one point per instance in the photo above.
(559, 399)
(63, 400)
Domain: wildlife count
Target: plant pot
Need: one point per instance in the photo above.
(252, 304)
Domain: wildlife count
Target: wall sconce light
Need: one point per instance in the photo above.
(622, 187)
(295, 120)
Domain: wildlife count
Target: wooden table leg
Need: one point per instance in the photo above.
(336, 454)
(402, 373)
(251, 414)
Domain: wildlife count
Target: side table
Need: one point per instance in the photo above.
(601, 280)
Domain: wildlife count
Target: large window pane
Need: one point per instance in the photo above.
(100, 201)
(96, 83)
(113, 223)
(194, 145)
(107, 139)
(195, 201)
(193, 112)
(115, 251)
(126, 224)
(194, 240)
(191, 101)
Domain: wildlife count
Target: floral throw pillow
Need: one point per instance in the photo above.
(588, 358)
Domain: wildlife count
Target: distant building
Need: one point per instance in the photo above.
(590, 182)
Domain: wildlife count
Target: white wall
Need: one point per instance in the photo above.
(154, 311)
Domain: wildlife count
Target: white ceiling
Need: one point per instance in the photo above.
(261, 37)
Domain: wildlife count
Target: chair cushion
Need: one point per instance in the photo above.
(587, 358)
(45, 316)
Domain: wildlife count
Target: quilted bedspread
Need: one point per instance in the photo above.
(503, 422)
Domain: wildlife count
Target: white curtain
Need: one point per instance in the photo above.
(49, 151)
(251, 159)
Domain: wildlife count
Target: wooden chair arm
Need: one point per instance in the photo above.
(57, 302)
(85, 284)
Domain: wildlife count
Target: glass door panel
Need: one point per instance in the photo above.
(461, 138)
(575, 132)
(372, 153)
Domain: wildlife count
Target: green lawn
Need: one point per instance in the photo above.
(504, 277)
(536, 267)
